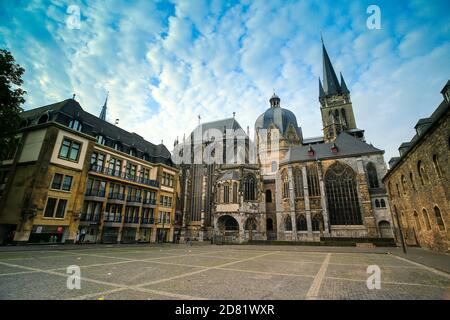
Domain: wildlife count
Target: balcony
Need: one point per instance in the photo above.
(116, 196)
(90, 217)
(111, 217)
(147, 220)
(98, 193)
(124, 175)
(131, 219)
(150, 201)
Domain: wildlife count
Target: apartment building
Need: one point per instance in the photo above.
(73, 176)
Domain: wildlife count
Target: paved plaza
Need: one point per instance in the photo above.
(215, 272)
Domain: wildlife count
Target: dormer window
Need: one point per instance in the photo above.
(117, 146)
(132, 152)
(44, 118)
(101, 140)
(75, 125)
(310, 151)
(334, 148)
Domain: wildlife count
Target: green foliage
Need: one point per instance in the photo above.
(11, 98)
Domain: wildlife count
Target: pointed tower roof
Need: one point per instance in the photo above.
(344, 88)
(321, 92)
(103, 113)
(330, 81)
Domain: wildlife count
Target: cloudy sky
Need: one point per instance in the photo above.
(166, 62)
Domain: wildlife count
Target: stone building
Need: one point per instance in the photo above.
(73, 173)
(295, 188)
(418, 182)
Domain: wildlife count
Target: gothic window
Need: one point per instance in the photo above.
(336, 115)
(391, 192)
(317, 222)
(298, 182)
(268, 195)
(403, 184)
(301, 223)
(426, 219)
(416, 219)
(342, 195)
(269, 224)
(372, 175)
(344, 117)
(421, 171)
(436, 165)
(235, 192)
(439, 221)
(313, 181)
(288, 223)
(411, 178)
(377, 203)
(250, 188)
(226, 193)
(285, 179)
(383, 203)
(398, 190)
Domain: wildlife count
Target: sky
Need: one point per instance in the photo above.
(166, 62)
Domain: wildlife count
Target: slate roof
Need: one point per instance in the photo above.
(348, 146)
(425, 125)
(63, 112)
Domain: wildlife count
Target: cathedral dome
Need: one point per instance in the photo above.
(281, 118)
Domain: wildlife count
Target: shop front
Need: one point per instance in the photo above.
(129, 235)
(48, 234)
(110, 234)
(145, 235)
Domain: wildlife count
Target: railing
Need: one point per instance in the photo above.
(89, 217)
(164, 221)
(111, 217)
(134, 198)
(95, 193)
(150, 201)
(124, 175)
(116, 196)
(147, 220)
(131, 219)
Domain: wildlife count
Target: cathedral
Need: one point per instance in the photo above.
(294, 188)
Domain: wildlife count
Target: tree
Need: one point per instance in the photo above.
(11, 97)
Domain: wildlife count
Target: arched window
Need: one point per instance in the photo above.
(377, 203)
(301, 223)
(288, 223)
(226, 193)
(436, 165)
(403, 184)
(75, 124)
(391, 192)
(439, 221)
(285, 179)
(372, 175)
(298, 182)
(383, 203)
(336, 115)
(411, 178)
(235, 192)
(250, 188)
(344, 117)
(416, 219)
(342, 195)
(250, 224)
(313, 181)
(426, 219)
(269, 224)
(398, 190)
(268, 195)
(421, 171)
(317, 223)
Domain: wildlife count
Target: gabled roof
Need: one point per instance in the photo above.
(347, 145)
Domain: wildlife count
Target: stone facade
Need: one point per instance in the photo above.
(418, 183)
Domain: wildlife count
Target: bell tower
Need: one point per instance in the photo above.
(335, 104)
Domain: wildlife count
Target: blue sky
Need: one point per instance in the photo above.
(166, 62)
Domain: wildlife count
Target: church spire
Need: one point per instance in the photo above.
(321, 92)
(330, 81)
(103, 113)
(344, 88)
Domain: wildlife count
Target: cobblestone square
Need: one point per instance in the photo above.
(214, 272)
